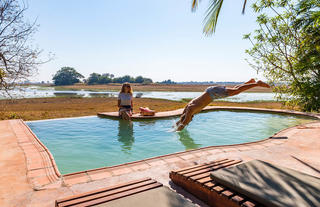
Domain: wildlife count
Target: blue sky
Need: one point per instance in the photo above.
(157, 39)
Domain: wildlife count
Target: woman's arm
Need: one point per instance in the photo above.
(119, 101)
(131, 105)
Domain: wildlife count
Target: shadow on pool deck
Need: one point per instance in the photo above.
(306, 164)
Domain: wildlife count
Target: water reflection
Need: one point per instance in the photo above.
(125, 135)
(186, 140)
(147, 123)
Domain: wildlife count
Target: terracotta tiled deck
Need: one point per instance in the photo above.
(29, 177)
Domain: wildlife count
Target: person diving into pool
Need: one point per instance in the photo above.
(211, 93)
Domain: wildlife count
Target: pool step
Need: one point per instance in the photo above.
(108, 194)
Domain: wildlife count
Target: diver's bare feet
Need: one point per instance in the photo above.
(252, 80)
(263, 84)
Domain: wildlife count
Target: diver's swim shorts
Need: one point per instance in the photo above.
(217, 92)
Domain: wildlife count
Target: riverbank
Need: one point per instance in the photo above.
(150, 87)
(62, 107)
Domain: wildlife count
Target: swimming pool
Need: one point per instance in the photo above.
(90, 142)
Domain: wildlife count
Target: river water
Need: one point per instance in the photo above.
(37, 92)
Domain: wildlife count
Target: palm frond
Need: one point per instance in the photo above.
(194, 5)
(212, 15)
(244, 6)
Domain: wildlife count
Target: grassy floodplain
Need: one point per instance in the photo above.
(61, 107)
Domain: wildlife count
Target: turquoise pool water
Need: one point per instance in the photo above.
(84, 143)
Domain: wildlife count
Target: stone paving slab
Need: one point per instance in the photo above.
(41, 167)
(13, 181)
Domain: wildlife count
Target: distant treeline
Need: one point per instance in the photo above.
(167, 82)
(69, 76)
(96, 78)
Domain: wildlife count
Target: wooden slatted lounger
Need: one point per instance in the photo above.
(197, 181)
(144, 192)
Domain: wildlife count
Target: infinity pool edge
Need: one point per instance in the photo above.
(178, 112)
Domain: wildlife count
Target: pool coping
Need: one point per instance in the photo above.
(47, 172)
(41, 166)
(178, 112)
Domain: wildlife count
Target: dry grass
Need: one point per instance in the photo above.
(48, 108)
(151, 87)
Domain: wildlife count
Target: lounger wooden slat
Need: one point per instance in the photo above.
(209, 167)
(195, 167)
(197, 181)
(204, 166)
(238, 199)
(199, 176)
(249, 204)
(206, 173)
(210, 184)
(227, 193)
(218, 188)
(204, 180)
(107, 194)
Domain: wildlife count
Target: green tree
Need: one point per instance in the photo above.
(124, 79)
(139, 79)
(105, 78)
(117, 80)
(308, 54)
(169, 81)
(66, 76)
(93, 78)
(147, 81)
(212, 14)
(96, 78)
(127, 78)
(286, 48)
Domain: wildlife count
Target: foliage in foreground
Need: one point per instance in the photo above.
(286, 48)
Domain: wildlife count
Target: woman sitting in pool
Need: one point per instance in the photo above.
(211, 93)
(125, 102)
